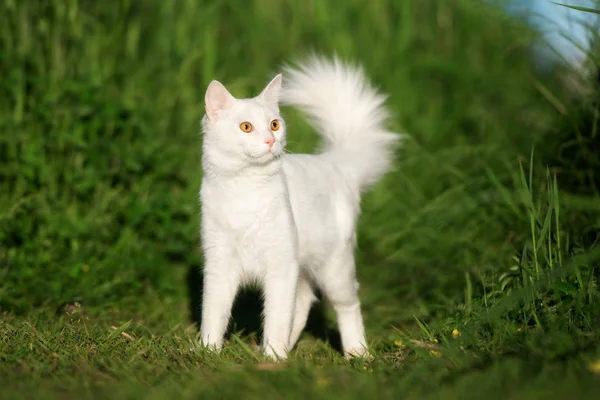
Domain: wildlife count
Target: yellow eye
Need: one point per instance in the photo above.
(274, 125)
(246, 127)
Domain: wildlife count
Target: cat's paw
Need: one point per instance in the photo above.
(270, 353)
(358, 352)
(208, 347)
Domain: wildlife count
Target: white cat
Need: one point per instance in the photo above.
(287, 222)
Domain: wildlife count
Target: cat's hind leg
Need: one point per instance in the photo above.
(338, 281)
(304, 300)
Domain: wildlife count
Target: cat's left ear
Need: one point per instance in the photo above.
(217, 99)
(271, 93)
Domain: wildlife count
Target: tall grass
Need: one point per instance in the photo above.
(101, 145)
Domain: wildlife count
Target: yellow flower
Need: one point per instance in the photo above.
(399, 343)
(323, 382)
(435, 340)
(594, 367)
(435, 353)
(455, 332)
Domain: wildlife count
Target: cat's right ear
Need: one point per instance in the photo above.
(217, 99)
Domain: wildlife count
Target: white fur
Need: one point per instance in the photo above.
(288, 222)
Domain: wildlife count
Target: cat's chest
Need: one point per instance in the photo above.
(245, 208)
(255, 222)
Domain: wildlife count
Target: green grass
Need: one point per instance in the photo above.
(487, 225)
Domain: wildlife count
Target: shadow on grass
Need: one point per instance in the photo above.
(247, 312)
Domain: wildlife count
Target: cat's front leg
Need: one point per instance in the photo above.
(221, 283)
(280, 295)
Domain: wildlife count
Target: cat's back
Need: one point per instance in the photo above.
(314, 176)
(324, 204)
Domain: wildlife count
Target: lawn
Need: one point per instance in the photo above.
(477, 255)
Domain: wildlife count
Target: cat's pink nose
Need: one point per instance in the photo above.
(270, 142)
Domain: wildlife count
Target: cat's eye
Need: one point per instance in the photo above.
(246, 127)
(274, 125)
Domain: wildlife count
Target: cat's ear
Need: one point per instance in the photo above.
(217, 98)
(271, 93)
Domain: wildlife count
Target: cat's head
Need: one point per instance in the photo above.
(246, 131)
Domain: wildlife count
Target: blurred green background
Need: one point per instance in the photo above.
(487, 225)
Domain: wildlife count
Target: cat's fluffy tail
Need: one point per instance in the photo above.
(347, 112)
